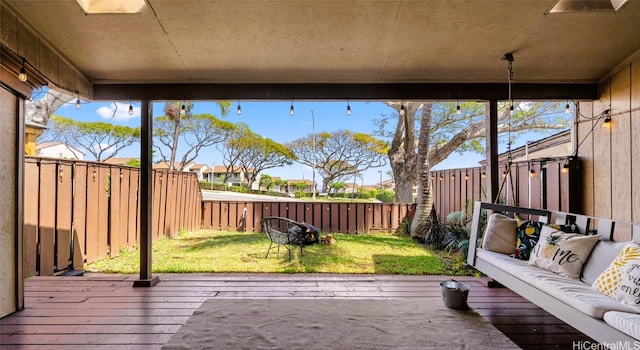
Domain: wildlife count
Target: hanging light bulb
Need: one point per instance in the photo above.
(458, 110)
(532, 173)
(239, 110)
(183, 109)
(565, 167)
(23, 72)
(567, 108)
(402, 110)
(292, 111)
(348, 108)
(78, 101)
(130, 108)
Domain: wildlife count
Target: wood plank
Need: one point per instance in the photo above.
(621, 139)
(114, 202)
(30, 226)
(80, 215)
(602, 156)
(102, 238)
(92, 213)
(635, 144)
(47, 215)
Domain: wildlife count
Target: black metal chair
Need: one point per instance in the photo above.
(284, 232)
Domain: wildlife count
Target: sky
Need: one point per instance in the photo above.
(272, 120)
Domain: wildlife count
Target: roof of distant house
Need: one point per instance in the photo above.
(49, 144)
(119, 161)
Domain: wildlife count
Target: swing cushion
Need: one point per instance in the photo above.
(500, 235)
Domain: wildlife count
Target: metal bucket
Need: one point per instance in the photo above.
(454, 294)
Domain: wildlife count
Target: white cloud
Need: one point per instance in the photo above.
(119, 111)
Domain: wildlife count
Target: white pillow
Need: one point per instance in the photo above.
(500, 234)
(562, 253)
(621, 280)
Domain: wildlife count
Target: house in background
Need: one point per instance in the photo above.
(290, 187)
(199, 170)
(58, 150)
(234, 175)
(176, 165)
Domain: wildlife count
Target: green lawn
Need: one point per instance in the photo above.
(217, 251)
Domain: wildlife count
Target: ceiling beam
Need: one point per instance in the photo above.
(395, 91)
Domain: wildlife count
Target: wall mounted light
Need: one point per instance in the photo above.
(22, 76)
(292, 110)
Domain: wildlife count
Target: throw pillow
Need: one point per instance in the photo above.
(621, 280)
(562, 253)
(527, 237)
(500, 234)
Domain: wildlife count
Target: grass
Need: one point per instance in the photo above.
(219, 251)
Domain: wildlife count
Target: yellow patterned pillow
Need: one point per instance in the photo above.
(621, 280)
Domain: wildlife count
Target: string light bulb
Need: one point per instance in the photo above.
(402, 110)
(239, 109)
(532, 173)
(78, 101)
(567, 108)
(23, 72)
(565, 167)
(292, 110)
(183, 109)
(458, 109)
(130, 108)
(348, 108)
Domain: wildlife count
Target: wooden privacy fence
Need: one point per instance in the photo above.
(326, 216)
(553, 184)
(77, 212)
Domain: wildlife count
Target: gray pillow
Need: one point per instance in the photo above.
(500, 234)
(601, 257)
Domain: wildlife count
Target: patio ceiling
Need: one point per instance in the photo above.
(336, 49)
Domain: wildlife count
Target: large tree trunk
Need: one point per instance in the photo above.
(402, 155)
(424, 201)
(41, 110)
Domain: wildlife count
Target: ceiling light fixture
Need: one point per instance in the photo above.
(292, 110)
(348, 108)
(561, 6)
(239, 110)
(23, 72)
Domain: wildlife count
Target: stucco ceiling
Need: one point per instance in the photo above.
(434, 41)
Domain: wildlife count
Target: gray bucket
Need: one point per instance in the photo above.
(454, 294)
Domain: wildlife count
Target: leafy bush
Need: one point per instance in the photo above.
(386, 196)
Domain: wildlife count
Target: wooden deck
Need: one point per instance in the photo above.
(106, 312)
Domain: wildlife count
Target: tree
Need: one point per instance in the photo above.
(266, 181)
(102, 140)
(39, 111)
(339, 154)
(450, 131)
(197, 132)
(337, 186)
